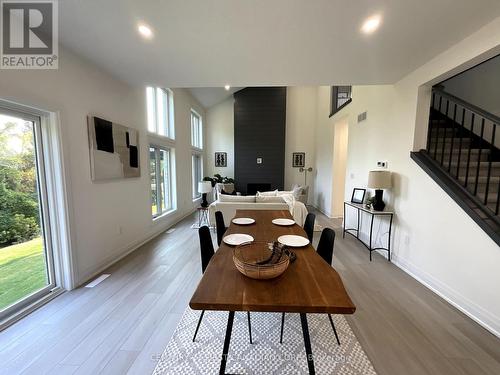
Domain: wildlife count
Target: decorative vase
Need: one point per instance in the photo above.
(378, 204)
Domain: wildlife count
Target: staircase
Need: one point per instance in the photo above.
(463, 157)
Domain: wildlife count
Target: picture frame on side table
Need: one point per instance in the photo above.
(358, 195)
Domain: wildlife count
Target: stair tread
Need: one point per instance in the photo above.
(482, 164)
(466, 149)
(482, 179)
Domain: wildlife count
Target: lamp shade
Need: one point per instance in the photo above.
(204, 187)
(379, 180)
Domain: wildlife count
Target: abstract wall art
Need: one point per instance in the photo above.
(114, 150)
(221, 159)
(298, 159)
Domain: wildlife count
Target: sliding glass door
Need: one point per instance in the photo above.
(26, 261)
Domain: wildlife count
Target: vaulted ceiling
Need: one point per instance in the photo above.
(211, 43)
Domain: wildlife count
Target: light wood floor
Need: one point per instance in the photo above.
(123, 324)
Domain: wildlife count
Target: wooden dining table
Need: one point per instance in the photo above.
(309, 285)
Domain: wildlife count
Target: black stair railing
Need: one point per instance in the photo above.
(456, 130)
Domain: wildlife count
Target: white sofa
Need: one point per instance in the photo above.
(228, 204)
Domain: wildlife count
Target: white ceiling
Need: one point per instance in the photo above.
(209, 96)
(266, 42)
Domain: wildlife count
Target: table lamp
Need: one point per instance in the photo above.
(204, 187)
(379, 180)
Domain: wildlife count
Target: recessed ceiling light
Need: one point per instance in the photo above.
(371, 24)
(227, 87)
(145, 31)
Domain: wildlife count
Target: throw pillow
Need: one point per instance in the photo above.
(267, 193)
(223, 198)
(297, 191)
(268, 199)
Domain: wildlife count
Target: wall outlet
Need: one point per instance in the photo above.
(352, 176)
(259, 160)
(120, 229)
(382, 164)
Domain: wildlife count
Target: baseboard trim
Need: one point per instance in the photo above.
(129, 249)
(463, 304)
(323, 212)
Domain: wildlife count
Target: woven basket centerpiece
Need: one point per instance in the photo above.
(261, 260)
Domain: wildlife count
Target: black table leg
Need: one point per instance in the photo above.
(343, 229)
(357, 231)
(249, 327)
(227, 341)
(371, 231)
(307, 344)
(282, 327)
(389, 241)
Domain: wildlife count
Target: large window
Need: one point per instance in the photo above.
(197, 146)
(160, 104)
(197, 162)
(340, 97)
(161, 111)
(26, 259)
(160, 169)
(196, 130)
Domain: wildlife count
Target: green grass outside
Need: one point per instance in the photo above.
(22, 271)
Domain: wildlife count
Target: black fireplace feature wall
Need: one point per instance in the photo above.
(259, 133)
(253, 188)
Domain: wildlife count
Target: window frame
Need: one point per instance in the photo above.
(170, 204)
(152, 105)
(196, 133)
(194, 184)
(334, 92)
(22, 306)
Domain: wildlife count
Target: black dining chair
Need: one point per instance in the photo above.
(309, 226)
(309, 229)
(325, 245)
(220, 226)
(207, 252)
(325, 251)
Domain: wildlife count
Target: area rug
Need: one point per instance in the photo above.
(266, 355)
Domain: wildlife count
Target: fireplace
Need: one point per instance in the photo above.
(253, 188)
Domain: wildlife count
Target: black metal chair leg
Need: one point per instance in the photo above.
(198, 325)
(282, 327)
(334, 330)
(249, 327)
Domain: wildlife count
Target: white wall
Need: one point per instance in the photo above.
(219, 137)
(323, 170)
(479, 86)
(340, 144)
(300, 135)
(107, 219)
(434, 239)
(331, 154)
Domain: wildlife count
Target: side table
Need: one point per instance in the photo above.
(355, 231)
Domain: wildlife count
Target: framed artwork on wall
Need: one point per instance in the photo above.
(298, 159)
(221, 159)
(358, 195)
(114, 150)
